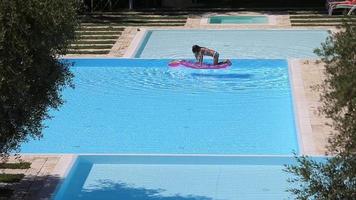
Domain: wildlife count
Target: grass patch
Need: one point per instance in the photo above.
(21, 165)
(11, 178)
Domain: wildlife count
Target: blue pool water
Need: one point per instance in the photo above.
(256, 44)
(176, 178)
(143, 106)
(238, 20)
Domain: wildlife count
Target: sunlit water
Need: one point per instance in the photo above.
(238, 20)
(144, 106)
(267, 44)
(177, 178)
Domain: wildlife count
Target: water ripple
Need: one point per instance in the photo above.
(112, 79)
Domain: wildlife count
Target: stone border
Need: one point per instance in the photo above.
(60, 172)
(121, 44)
(135, 44)
(301, 110)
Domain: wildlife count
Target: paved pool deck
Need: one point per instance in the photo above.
(313, 74)
(41, 179)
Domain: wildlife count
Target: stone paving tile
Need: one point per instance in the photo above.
(124, 41)
(39, 181)
(312, 74)
(35, 177)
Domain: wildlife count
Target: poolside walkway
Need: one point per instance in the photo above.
(41, 178)
(313, 75)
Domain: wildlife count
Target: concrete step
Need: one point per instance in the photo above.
(134, 16)
(136, 24)
(319, 17)
(141, 13)
(178, 11)
(98, 32)
(316, 24)
(94, 42)
(90, 46)
(317, 21)
(98, 37)
(89, 51)
(134, 21)
(309, 12)
(101, 28)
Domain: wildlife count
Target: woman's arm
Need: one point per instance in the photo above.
(200, 60)
(196, 56)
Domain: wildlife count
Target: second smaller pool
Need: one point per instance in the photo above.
(150, 177)
(238, 20)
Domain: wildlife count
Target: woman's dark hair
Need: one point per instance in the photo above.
(196, 48)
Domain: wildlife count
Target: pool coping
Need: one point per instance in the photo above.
(136, 43)
(60, 172)
(301, 111)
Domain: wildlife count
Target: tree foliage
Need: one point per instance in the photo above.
(339, 88)
(32, 35)
(335, 178)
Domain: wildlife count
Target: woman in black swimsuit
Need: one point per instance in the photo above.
(200, 52)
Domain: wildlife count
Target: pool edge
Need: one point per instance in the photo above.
(301, 111)
(56, 177)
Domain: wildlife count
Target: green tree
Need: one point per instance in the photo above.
(33, 33)
(335, 178)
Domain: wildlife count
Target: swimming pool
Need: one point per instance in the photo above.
(255, 44)
(176, 178)
(238, 20)
(143, 106)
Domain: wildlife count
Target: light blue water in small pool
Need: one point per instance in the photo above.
(256, 44)
(143, 106)
(238, 20)
(176, 178)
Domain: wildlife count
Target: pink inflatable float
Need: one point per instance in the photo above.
(196, 65)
